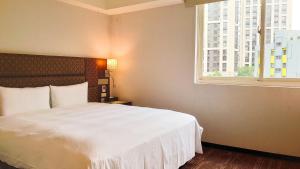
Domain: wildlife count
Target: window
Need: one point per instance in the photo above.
(248, 2)
(225, 28)
(232, 48)
(269, 15)
(225, 13)
(214, 30)
(224, 55)
(247, 57)
(247, 34)
(247, 11)
(283, 21)
(224, 67)
(224, 41)
(284, 9)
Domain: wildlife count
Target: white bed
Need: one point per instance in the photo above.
(99, 136)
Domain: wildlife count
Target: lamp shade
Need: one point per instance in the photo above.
(112, 64)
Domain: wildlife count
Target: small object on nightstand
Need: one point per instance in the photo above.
(121, 102)
(113, 98)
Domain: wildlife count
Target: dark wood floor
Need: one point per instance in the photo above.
(218, 158)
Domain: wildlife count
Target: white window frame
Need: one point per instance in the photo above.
(241, 81)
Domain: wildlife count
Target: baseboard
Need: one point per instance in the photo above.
(249, 151)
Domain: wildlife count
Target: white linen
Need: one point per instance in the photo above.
(99, 136)
(62, 96)
(20, 100)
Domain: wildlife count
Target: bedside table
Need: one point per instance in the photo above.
(121, 102)
(115, 100)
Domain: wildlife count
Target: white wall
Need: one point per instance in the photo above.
(53, 28)
(155, 49)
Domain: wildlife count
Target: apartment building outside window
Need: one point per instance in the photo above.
(236, 25)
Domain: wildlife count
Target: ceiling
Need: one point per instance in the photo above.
(110, 4)
(120, 3)
(98, 3)
(113, 7)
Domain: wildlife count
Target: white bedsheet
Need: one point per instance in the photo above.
(99, 136)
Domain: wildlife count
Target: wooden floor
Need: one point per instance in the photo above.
(218, 158)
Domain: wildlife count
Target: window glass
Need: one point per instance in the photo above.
(282, 47)
(231, 39)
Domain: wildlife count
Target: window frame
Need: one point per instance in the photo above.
(241, 81)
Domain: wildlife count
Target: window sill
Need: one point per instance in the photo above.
(279, 83)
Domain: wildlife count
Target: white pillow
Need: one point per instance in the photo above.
(62, 96)
(21, 100)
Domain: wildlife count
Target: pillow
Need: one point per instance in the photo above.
(21, 100)
(62, 96)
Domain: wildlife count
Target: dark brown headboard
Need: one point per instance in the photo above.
(20, 70)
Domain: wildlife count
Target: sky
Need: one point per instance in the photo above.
(296, 15)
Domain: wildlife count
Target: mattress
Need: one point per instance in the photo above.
(99, 136)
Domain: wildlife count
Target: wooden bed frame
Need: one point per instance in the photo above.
(23, 70)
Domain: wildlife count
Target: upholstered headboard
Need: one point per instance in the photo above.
(20, 70)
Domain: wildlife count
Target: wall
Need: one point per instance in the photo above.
(155, 49)
(52, 28)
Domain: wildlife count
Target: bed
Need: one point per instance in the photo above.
(92, 135)
(99, 136)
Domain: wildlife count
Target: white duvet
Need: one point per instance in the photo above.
(99, 136)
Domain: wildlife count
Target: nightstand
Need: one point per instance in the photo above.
(115, 100)
(121, 102)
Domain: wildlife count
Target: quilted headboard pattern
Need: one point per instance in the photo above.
(19, 70)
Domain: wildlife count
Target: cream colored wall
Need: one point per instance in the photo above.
(52, 28)
(155, 49)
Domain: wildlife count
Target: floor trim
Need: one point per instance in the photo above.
(254, 152)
